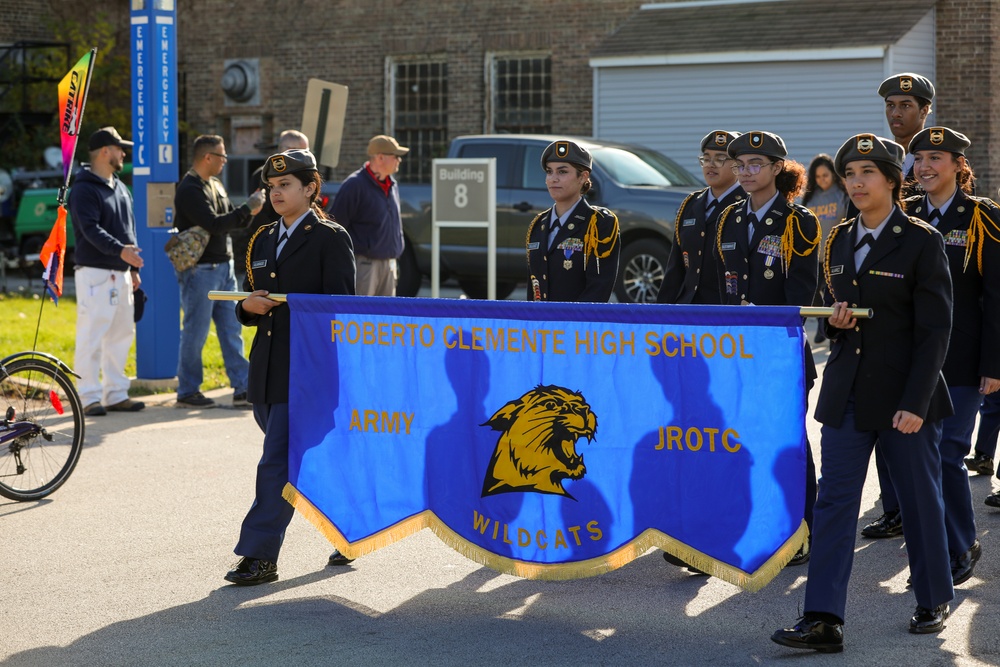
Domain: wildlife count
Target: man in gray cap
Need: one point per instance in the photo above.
(367, 205)
(107, 272)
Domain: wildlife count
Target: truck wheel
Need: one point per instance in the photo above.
(476, 289)
(643, 264)
(32, 245)
(409, 278)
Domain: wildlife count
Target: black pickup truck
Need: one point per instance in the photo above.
(641, 186)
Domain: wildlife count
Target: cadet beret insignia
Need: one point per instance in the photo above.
(720, 138)
(562, 149)
(905, 84)
(868, 147)
(756, 139)
(289, 162)
(939, 139)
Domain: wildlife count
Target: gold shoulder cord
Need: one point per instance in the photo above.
(250, 252)
(592, 240)
(826, 259)
(792, 225)
(527, 238)
(718, 232)
(978, 231)
(677, 220)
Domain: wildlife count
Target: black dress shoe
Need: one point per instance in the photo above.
(980, 463)
(801, 556)
(337, 559)
(674, 560)
(993, 500)
(963, 566)
(813, 634)
(926, 621)
(889, 524)
(252, 571)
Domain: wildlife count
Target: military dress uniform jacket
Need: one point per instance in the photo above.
(779, 267)
(974, 350)
(583, 263)
(692, 274)
(318, 258)
(893, 361)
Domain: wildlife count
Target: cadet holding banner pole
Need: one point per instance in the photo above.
(882, 382)
(303, 253)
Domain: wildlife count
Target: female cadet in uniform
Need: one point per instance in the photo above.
(972, 367)
(302, 253)
(768, 249)
(882, 382)
(692, 274)
(573, 247)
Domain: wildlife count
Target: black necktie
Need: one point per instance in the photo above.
(281, 242)
(867, 239)
(710, 208)
(934, 217)
(752, 222)
(554, 231)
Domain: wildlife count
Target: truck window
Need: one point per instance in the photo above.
(504, 153)
(532, 176)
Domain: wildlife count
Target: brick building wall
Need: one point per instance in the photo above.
(23, 20)
(968, 69)
(347, 42)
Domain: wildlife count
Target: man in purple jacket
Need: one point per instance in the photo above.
(367, 205)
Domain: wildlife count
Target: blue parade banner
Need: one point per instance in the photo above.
(552, 440)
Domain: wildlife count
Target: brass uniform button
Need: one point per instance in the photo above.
(273, 274)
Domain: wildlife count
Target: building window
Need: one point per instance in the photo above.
(419, 104)
(521, 94)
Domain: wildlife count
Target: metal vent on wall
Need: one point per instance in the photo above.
(241, 82)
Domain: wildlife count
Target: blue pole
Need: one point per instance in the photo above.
(154, 159)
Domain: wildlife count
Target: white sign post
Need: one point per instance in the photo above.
(464, 194)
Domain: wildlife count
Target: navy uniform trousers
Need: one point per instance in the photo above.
(845, 457)
(264, 526)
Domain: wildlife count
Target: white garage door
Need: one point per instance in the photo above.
(814, 105)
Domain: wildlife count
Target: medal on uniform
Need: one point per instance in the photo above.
(568, 262)
(769, 273)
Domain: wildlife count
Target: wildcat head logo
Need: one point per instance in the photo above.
(537, 446)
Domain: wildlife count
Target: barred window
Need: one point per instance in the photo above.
(521, 94)
(420, 115)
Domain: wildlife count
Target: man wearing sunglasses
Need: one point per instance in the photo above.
(692, 274)
(201, 201)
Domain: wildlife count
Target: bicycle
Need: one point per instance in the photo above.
(41, 435)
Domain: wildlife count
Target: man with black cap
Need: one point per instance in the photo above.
(692, 274)
(107, 273)
(367, 205)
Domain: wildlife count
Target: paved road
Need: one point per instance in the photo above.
(124, 565)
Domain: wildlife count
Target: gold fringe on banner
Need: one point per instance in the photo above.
(620, 557)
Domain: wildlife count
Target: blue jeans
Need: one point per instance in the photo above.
(199, 313)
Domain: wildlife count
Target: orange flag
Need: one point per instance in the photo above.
(53, 255)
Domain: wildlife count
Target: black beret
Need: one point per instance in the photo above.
(758, 143)
(907, 83)
(289, 162)
(939, 139)
(718, 140)
(869, 147)
(567, 151)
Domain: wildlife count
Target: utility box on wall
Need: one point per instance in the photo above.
(160, 204)
(241, 82)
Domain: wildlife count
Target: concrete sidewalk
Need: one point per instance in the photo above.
(124, 565)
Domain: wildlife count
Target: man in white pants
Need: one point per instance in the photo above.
(107, 272)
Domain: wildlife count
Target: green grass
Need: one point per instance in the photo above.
(57, 336)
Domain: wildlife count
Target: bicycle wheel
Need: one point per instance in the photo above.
(35, 464)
